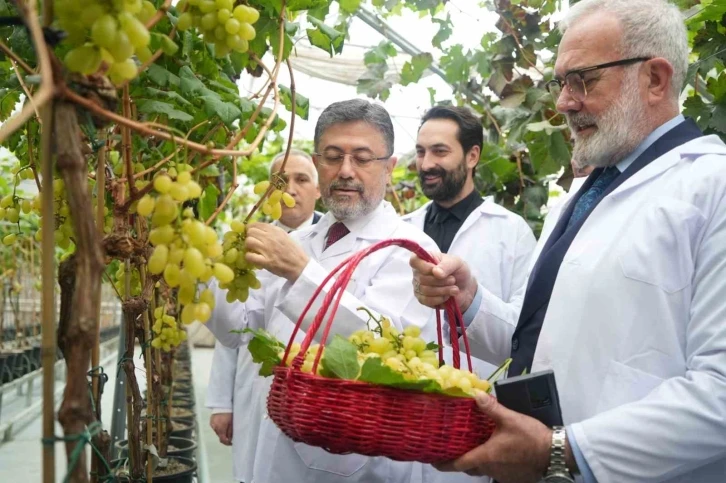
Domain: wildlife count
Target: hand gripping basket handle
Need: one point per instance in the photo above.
(337, 290)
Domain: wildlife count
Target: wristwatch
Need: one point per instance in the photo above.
(557, 471)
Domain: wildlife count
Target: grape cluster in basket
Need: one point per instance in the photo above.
(381, 356)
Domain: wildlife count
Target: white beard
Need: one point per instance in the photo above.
(620, 129)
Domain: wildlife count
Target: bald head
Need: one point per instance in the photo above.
(302, 184)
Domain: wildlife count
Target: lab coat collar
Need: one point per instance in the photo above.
(489, 207)
(376, 225)
(699, 147)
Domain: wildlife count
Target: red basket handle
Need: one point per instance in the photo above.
(347, 267)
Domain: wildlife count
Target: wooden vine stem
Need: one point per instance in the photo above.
(78, 329)
(48, 337)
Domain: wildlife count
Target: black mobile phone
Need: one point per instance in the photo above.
(532, 394)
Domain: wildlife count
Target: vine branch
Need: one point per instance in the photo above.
(13, 56)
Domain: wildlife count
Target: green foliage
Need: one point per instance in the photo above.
(340, 359)
(264, 349)
(527, 142)
(707, 100)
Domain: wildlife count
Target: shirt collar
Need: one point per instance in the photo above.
(648, 141)
(358, 224)
(304, 224)
(460, 210)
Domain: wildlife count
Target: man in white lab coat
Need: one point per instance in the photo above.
(354, 142)
(497, 243)
(626, 299)
(232, 370)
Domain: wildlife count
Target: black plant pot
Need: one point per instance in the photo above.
(185, 448)
(186, 476)
(181, 402)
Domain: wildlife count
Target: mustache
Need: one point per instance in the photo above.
(345, 185)
(435, 171)
(581, 120)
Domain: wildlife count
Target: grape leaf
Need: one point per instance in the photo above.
(264, 348)
(294, 5)
(445, 31)
(325, 37)
(432, 346)
(208, 203)
(340, 359)
(302, 103)
(8, 99)
(375, 372)
(190, 84)
(162, 77)
(172, 95)
(158, 107)
(718, 119)
(380, 53)
(413, 70)
(226, 111)
(349, 6)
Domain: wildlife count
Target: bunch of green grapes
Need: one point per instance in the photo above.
(409, 355)
(243, 273)
(220, 22)
(63, 224)
(234, 248)
(167, 333)
(406, 353)
(107, 31)
(272, 206)
(10, 208)
(309, 359)
(185, 249)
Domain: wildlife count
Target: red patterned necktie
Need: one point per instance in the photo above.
(336, 231)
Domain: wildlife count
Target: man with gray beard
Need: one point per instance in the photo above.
(354, 147)
(625, 302)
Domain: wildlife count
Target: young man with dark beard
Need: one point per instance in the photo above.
(497, 243)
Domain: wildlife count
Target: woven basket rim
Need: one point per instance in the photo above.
(284, 371)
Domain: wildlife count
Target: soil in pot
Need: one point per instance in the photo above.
(183, 447)
(177, 470)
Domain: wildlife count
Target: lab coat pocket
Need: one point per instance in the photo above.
(658, 246)
(624, 384)
(318, 459)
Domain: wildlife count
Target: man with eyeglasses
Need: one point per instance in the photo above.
(354, 146)
(625, 301)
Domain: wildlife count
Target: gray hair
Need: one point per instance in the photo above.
(356, 110)
(651, 28)
(298, 153)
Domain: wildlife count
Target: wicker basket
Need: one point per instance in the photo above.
(343, 416)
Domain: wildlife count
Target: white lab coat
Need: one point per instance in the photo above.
(233, 381)
(635, 330)
(382, 282)
(498, 245)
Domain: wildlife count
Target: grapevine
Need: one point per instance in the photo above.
(234, 256)
(221, 23)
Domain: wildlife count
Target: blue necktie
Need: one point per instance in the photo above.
(592, 195)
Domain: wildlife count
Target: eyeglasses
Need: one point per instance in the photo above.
(334, 159)
(576, 83)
